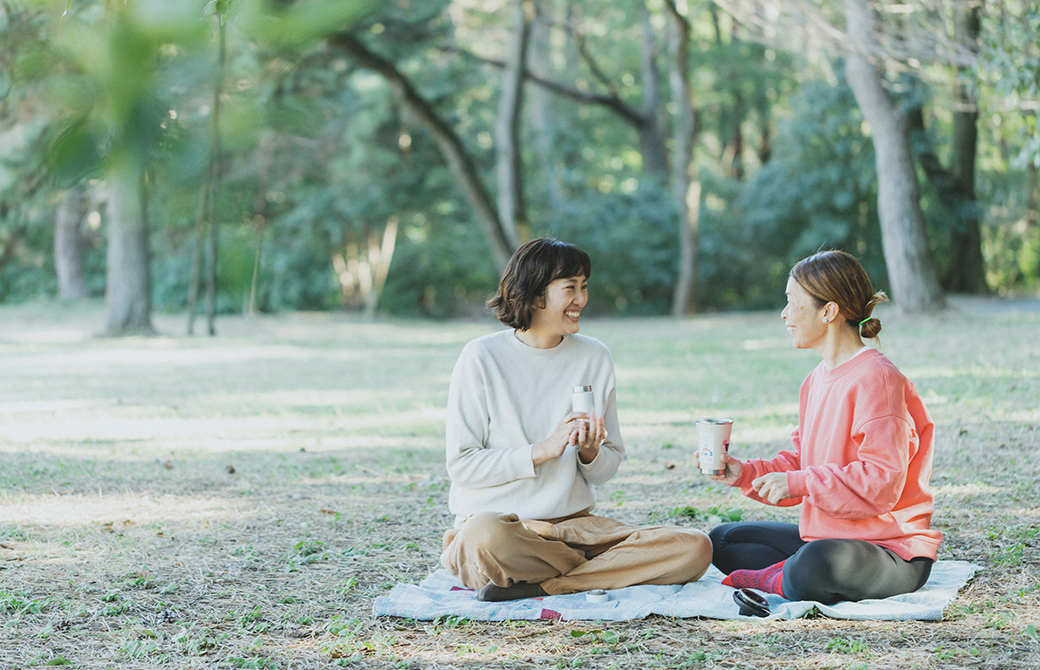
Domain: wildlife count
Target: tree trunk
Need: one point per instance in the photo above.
(733, 156)
(651, 139)
(1032, 215)
(206, 230)
(967, 269)
(458, 159)
(765, 147)
(542, 114)
(914, 283)
(195, 278)
(685, 185)
(128, 285)
(68, 246)
(362, 267)
(264, 152)
(1032, 197)
(215, 149)
(508, 162)
(380, 253)
(733, 153)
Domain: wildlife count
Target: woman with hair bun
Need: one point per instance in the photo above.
(860, 465)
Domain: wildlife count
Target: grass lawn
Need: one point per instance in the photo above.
(239, 501)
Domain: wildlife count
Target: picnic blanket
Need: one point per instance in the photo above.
(440, 594)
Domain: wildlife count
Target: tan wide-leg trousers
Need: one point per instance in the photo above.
(572, 554)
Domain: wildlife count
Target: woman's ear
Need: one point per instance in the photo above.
(830, 312)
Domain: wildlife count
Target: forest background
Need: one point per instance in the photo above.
(263, 156)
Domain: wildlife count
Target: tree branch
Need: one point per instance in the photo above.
(458, 158)
(611, 101)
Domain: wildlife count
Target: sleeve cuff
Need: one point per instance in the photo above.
(796, 483)
(745, 478)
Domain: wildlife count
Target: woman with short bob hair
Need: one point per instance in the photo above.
(530, 271)
(860, 465)
(523, 464)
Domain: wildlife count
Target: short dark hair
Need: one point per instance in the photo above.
(528, 274)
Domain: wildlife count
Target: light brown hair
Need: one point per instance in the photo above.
(835, 276)
(532, 268)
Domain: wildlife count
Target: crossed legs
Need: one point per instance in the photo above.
(825, 570)
(573, 554)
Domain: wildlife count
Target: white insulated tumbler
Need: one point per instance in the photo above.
(582, 400)
(713, 435)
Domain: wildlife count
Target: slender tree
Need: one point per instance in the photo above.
(966, 271)
(508, 160)
(914, 282)
(685, 185)
(68, 245)
(543, 116)
(207, 230)
(649, 125)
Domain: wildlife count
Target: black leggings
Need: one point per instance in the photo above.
(826, 571)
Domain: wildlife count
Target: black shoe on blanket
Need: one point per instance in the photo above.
(751, 603)
(492, 593)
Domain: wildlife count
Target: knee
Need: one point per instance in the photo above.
(717, 534)
(695, 541)
(486, 530)
(814, 574)
(698, 550)
(692, 549)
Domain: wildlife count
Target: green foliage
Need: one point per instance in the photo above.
(596, 636)
(1009, 542)
(318, 152)
(817, 192)
(713, 515)
(14, 603)
(293, 23)
(1010, 63)
(631, 239)
(843, 646)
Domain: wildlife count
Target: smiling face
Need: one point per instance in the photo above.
(804, 317)
(559, 315)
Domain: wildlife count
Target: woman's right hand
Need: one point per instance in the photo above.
(733, 470)
(566, 433)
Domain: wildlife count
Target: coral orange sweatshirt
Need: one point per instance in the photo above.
(862, 458)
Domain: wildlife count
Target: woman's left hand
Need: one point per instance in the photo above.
(591, 434)
(772, 487)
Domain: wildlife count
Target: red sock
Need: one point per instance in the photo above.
(768, 579)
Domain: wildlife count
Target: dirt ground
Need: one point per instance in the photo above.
(239, 501)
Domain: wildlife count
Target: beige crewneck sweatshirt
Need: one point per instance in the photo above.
(503, 398)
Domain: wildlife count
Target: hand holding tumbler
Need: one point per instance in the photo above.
(713, 435)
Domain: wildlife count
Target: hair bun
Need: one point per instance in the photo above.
(870, 327)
